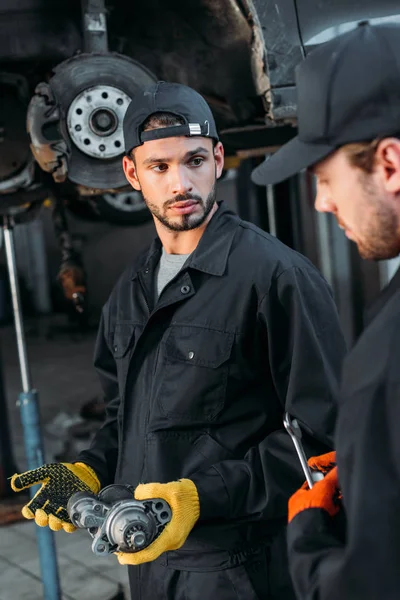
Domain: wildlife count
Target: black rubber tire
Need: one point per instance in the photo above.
(120, 217)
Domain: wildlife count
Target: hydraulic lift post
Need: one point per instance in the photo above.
(29, 410)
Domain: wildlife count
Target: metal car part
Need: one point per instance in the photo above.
(116, 521)
(133, 525)
(71, 274)
(47, 145)
(95, 38)
(57, 130)
(23, 179)
(94, 121)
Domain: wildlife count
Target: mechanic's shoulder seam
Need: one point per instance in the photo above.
(275, 242)
(301, 268)
(285, 271)
(255, 229)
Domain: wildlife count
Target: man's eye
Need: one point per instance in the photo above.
(160, 168)
(196, 162)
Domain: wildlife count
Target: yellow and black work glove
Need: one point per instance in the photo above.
(183, 499)
(324, 494)
(59, 481)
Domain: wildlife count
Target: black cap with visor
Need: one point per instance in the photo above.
(175, 98)
(348, 90)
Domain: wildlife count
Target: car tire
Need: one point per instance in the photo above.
(123, 208)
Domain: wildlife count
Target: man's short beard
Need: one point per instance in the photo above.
(189, 221)
(379, 236)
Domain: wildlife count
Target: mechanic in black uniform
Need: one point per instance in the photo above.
(206, 340)
(349, 124)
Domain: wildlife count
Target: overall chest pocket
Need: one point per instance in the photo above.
(193, 372)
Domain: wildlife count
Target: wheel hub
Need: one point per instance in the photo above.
(94, 121)
(103, 121)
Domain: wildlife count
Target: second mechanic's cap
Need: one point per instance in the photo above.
(348, 90)
(174, 98)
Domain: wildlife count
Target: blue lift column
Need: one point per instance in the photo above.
(29, 410)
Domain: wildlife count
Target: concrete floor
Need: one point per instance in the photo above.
(62, 372)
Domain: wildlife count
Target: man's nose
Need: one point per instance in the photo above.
(181, 183)
(323, 202)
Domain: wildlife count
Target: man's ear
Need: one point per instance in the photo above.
(130, 172)
(387, 160)
(219, 159)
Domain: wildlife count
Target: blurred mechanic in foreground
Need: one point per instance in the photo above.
(349, 136)
(206, 339)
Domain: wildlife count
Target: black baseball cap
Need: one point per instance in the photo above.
(174, 98)
(348, 90)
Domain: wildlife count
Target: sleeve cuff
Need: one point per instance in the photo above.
(213, 495)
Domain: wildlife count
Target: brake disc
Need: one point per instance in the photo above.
(88, 95)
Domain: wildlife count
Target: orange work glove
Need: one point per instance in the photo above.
(324, 494)
(323, 463)
(183, 499)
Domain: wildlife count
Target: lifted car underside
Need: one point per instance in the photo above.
(88, 55)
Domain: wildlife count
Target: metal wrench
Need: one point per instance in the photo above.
(293, 428)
